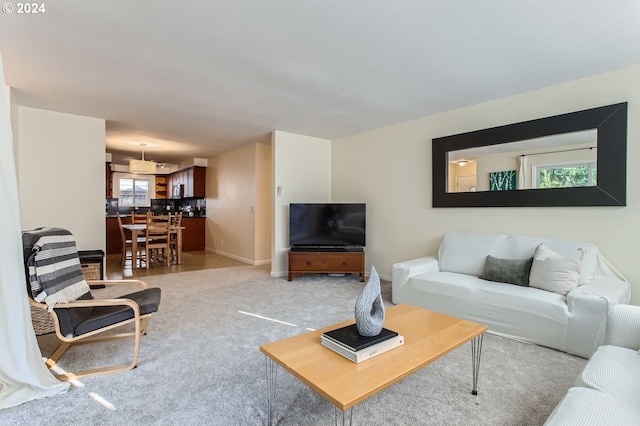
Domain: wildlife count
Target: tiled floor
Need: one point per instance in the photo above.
(191, 261)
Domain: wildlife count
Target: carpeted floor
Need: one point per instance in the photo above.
(200, 364)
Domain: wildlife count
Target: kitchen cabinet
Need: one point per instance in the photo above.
(199, 181)
(108, 180)
(193, 235)
(114, 240)
(193, 179)
(170, 186)
(176, 179)
(188, 182)
(181, 176)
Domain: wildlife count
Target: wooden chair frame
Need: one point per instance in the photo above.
(140, 323)
(139, 218)
(127, 245)
(176, 222)
(158, 237)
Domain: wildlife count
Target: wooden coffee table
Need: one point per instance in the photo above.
(428, 336)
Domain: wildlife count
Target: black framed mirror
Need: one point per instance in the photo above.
(606, 126)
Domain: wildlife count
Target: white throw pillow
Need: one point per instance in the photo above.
(555, 272)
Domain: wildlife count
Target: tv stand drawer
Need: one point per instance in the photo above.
(325, 262)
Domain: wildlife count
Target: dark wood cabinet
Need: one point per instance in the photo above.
(302, 262)
(188, 182)
(193, 179)
(170, 186)
(108, 180)
(114, 240)
(175, 179)
(199, 181)
(193, 235)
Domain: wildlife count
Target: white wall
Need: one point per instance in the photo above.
(263, 211)
(302, 171)
(239, 204)
(230, 197)
(390, 169)
(61, 174)
(15, 124)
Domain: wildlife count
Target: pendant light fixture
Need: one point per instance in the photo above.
(142, 166)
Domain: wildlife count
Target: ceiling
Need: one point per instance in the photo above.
(193, 78)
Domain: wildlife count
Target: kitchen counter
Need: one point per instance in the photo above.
(184, 215)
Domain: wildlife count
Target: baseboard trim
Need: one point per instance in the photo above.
(241, 259)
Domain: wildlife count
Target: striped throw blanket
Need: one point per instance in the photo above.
(53, 265)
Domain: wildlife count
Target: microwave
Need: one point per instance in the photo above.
(178, 191)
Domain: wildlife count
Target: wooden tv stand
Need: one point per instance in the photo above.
(323, 262)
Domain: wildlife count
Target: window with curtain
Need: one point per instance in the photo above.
(566, 175)
(134, 192)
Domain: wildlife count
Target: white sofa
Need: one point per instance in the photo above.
(449, 283)
(607, 391)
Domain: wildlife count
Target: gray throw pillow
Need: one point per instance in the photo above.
(512, 271)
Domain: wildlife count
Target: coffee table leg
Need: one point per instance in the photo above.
(476, 350)
(347, 416)
(272, 372)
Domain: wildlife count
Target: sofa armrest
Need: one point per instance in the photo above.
(613, 290)
(400, 272)
(589, 306)
(403, 270)
(624, 326)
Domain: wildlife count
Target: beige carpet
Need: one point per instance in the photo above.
(200, 364)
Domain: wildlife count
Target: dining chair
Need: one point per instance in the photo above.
(127, 245)
(137, 218)
(157, 235)
(176, 222)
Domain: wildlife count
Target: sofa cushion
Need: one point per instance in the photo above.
(524, 246)
(512, 271)
(555, 272)
(587, 407)
(523, 313)
(465, 252)
(613, 370)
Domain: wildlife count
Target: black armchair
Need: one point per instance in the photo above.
(84, 319)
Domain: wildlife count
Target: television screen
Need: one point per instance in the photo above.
(327, 224)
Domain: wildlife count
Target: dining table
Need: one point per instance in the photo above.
(139, 229)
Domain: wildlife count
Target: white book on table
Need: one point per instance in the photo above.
(366, 353)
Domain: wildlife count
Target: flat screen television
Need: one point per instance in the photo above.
(327, 226)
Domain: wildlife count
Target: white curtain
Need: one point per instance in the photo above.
(522, 173)
(23, 374)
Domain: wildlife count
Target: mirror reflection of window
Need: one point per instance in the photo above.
(566, 175)
(564, 160)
